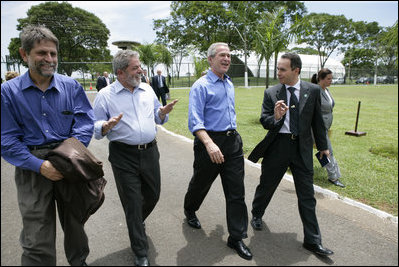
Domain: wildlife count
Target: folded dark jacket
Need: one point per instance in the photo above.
(75, 161)
(83, 190)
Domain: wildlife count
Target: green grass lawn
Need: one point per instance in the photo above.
(369, 164)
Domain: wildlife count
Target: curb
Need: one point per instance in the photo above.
(318, 189)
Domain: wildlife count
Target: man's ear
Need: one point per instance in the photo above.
(23, 54)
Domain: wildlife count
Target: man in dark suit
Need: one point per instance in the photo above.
(289, 143)
(102, 81)
(158, 83)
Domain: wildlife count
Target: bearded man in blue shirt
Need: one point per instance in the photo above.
(39, 110)
(217, 148)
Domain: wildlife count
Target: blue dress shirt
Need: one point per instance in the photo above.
(30, 116)
(140, 110)
(211, 104)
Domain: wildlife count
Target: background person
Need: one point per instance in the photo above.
(217, 148)
(102, 81)
(324, 78)
(144, 77)
(127, 112)
(158, 83)
(11, 75)
(39, 110)
(289, 143)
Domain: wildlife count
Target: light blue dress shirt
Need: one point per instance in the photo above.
(30, 116)
(211, 104)
(140, 110)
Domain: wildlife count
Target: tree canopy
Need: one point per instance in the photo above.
(82, 35)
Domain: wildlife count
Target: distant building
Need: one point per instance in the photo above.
(310, 65)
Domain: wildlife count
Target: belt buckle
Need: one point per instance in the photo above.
(229, 133)
(293, 137)
(141, 147)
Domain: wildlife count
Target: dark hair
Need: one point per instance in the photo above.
(32, 34)
(296, 61)
(321, 75)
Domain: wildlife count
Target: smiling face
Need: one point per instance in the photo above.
(220, 62)
(131, 76)
(42, 59)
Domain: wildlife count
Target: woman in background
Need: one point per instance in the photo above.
(324, 78)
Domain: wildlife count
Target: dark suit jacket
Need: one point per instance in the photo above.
(101, 83)
(309, 118)
(83, 190)
(155, 85)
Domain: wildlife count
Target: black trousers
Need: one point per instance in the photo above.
(162, 95)
(281, 154)
(37, 200)
(232, 176)
(138, 181)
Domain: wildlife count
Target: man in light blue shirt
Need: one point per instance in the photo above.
(217, 148)
(127, 112)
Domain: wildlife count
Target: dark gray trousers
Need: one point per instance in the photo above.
(37, 204)
(138, 180)
(281, 154)
(232, 176)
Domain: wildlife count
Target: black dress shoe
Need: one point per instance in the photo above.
(239, 246)
(141, 261)
(318, 249)
(256, 223)
(84, 264)
(337, 183)
(192, 219)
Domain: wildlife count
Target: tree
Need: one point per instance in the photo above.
(270, 38)
(82, 35)
(198, 24)
(169, 34)
(358, 53)
(163, 56)
(389, 39)
(148, 57)
(325, 33)
(200, 65)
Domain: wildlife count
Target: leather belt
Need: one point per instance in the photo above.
(226, 133)
(138, 147)
(291, 136)
(45, 146)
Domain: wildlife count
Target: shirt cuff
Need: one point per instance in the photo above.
(35, 164)
(98, 128)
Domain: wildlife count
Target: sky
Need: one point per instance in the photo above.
(133, 20)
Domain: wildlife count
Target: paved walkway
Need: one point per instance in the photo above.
(357, 236)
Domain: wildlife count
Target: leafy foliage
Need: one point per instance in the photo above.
(82, 35)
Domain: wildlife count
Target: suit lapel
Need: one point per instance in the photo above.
(303, 96)
(332, 99)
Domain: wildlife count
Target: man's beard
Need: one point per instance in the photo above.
(133, 80)
(37, 67)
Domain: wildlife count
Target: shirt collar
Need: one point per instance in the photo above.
(214, 78)
(119, 87)
(297, 86)
(28, 83)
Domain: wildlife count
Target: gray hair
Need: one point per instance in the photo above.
(32, 34)
(212, 48)
(122, 59)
